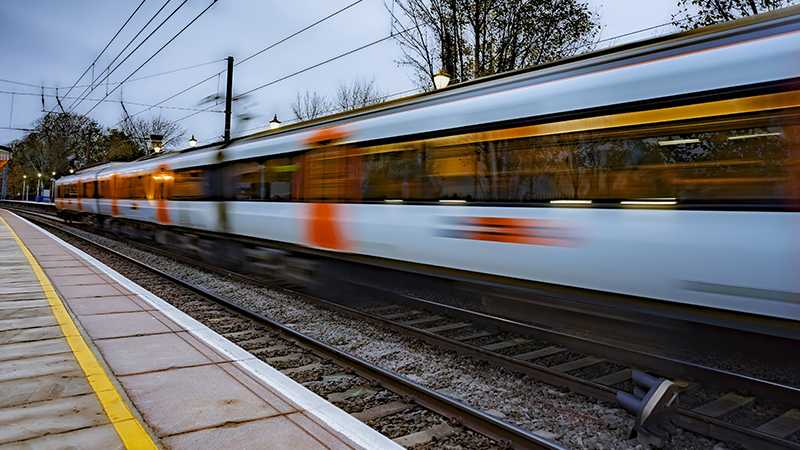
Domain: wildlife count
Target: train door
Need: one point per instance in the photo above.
(161, 186)
(331, 176)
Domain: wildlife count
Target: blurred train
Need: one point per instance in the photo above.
(664, 171)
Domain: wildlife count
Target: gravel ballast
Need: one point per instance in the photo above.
(572, 420)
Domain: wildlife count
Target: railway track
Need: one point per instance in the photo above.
(411, 414)
(722, 405)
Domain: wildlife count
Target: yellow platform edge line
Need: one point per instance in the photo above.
(128, 427)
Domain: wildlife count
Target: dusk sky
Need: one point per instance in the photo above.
(51, 42)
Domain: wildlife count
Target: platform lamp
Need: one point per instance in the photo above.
(441, 79)
(274, 123)
(192, 142)
(155, 142)
(38, 185)
(25, 187)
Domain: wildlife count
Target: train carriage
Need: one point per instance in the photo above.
(666, 171)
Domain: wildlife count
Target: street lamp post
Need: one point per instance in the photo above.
(38, 186)
(25, 187)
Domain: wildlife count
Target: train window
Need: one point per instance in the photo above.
(394, 174)
(131, 187)
(189, 184)
(332, 174)
(279, 175)
(742, 159)
(243, 181)
(88, 189)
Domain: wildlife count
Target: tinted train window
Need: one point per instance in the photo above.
(243, 181)
(279, 176)
(189, 184)
(732, 160)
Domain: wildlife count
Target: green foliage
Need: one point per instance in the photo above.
(700, 13)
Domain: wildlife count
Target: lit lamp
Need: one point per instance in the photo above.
(441, 79)
(71, 170)
(274, 123)
(54, 173)
(155, 142)
(192, 142)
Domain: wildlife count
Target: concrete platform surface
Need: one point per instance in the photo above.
(89, 359)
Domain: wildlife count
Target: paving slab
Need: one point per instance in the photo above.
(22, 350)
(37, 366)
(19, 304)
(138, 354)
(50, 417)
(30, 334)
(47, 387)
(102, 305)
(206, 396)
(21, 313)
(28, 322)
(87, 290)
(96, 438)
(122, 324)
(275, 433)
(76, 280)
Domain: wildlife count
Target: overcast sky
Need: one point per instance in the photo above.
(51, 42)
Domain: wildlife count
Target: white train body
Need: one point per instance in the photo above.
(742, 259)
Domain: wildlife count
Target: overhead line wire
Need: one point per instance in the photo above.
(106, 47)
(251, 56)
(160, 49)
(329, 60)
(300, 31)
(152, 75)
(32, 94)
(133, 39)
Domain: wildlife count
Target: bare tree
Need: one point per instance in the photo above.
(310, 105)
(139, 131)
(474, 38)
(699, 13)
(357, 94)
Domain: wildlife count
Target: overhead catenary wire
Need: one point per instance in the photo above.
(108, 71)
(249, 57)
(156, 105)
(91, 66)
(146, 77)
(329, 60)
(300, 31)
(179, 108)
(159, 50)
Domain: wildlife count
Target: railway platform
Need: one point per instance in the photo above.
(89, 359)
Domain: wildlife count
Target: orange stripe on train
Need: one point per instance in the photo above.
(508, 230)
(324, 227)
